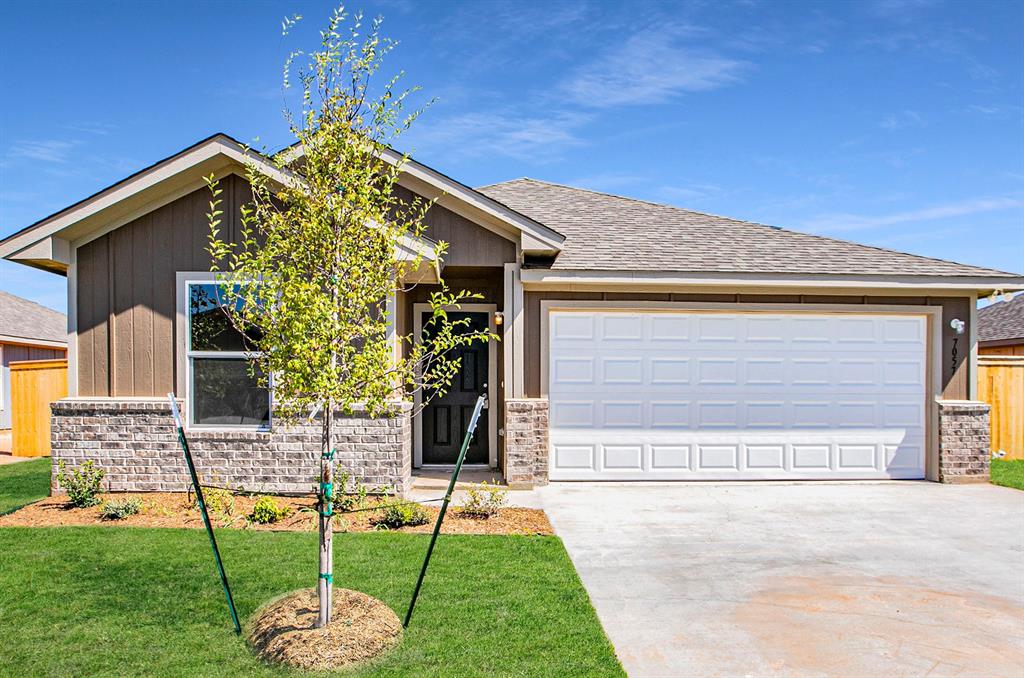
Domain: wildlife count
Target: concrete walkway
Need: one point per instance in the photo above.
(810, 579)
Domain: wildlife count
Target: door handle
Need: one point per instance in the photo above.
(486, 399)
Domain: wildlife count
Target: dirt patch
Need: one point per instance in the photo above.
(361, 628)
(851, 625)
(175, 509)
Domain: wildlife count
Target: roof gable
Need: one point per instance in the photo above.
(612, 233)
(47, 243)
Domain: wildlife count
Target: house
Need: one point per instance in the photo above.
(639, 342)
(28, 331)
(1001, 373)
(1001, 327)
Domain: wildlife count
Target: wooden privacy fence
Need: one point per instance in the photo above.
(34, 385)
(1001, 385)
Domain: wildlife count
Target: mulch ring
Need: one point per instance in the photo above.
(361, 628)
(176, 509)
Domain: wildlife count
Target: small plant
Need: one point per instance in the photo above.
(218, 501)
(119, 509)
(350, 501)
(82, 484)
(268, 511)
(483, 501)
(393, 516)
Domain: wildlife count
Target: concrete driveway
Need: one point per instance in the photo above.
(852, 579)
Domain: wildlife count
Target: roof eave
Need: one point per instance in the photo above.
(584, 279)
(47, 243)
(534, 237)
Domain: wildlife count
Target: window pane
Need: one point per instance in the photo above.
(210, 327)
(224, 394)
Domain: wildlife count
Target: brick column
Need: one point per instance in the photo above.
(526, 443)
(964, 453)
(134, 441)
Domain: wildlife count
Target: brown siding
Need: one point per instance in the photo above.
(126, 285)
(468, 244)
(954, 380)
(126, 293)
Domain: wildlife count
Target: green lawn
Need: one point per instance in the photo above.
(1008, 472)
(128, 601)
(23, 483)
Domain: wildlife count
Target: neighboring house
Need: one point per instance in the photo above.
(28, 331)
(1001, 328)
(639, 342)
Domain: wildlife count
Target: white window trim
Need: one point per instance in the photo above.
(184, 354)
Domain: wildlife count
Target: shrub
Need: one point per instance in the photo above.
(349, 501)
(217, 501)
(267, 511)
(119, 509)
(394, 516)
(483, 501)
(82, 484)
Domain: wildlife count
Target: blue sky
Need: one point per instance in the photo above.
(896, 123)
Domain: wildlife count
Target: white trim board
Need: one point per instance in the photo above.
(653, 281)
(492, 384)
(38, 343)
(74, 223)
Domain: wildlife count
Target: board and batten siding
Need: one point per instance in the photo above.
(468, 243)
(126, 292)
(954, 382)
(126, 285)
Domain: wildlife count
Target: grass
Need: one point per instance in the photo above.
(1008, 472)
(23, 483)
(129, 601)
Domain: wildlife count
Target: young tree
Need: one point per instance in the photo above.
(318, 258)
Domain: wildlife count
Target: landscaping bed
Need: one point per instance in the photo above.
(177, 509)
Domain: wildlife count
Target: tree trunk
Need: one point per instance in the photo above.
(325, 587)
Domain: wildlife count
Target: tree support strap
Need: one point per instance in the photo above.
(444, 507)
(326, 576)
(327, 492)
(202, 506)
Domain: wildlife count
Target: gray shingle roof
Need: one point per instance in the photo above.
(28, 320)
(612, 233)
(1002, 320)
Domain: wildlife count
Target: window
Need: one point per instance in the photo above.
(221, 391)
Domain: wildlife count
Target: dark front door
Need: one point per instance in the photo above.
(446, 417)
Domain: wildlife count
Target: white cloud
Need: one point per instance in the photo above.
(652, 67)
(44, 150)
(517, 136)
(902, 120)
(853, 222)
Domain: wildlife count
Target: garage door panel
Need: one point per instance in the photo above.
(695, 395)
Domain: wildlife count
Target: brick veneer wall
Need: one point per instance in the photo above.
(964, 454)
(135, 443)
(526, 443)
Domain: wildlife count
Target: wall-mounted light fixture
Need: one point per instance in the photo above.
(499, 318)
(957, 325)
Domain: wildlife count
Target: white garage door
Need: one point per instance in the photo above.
(704, 395)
